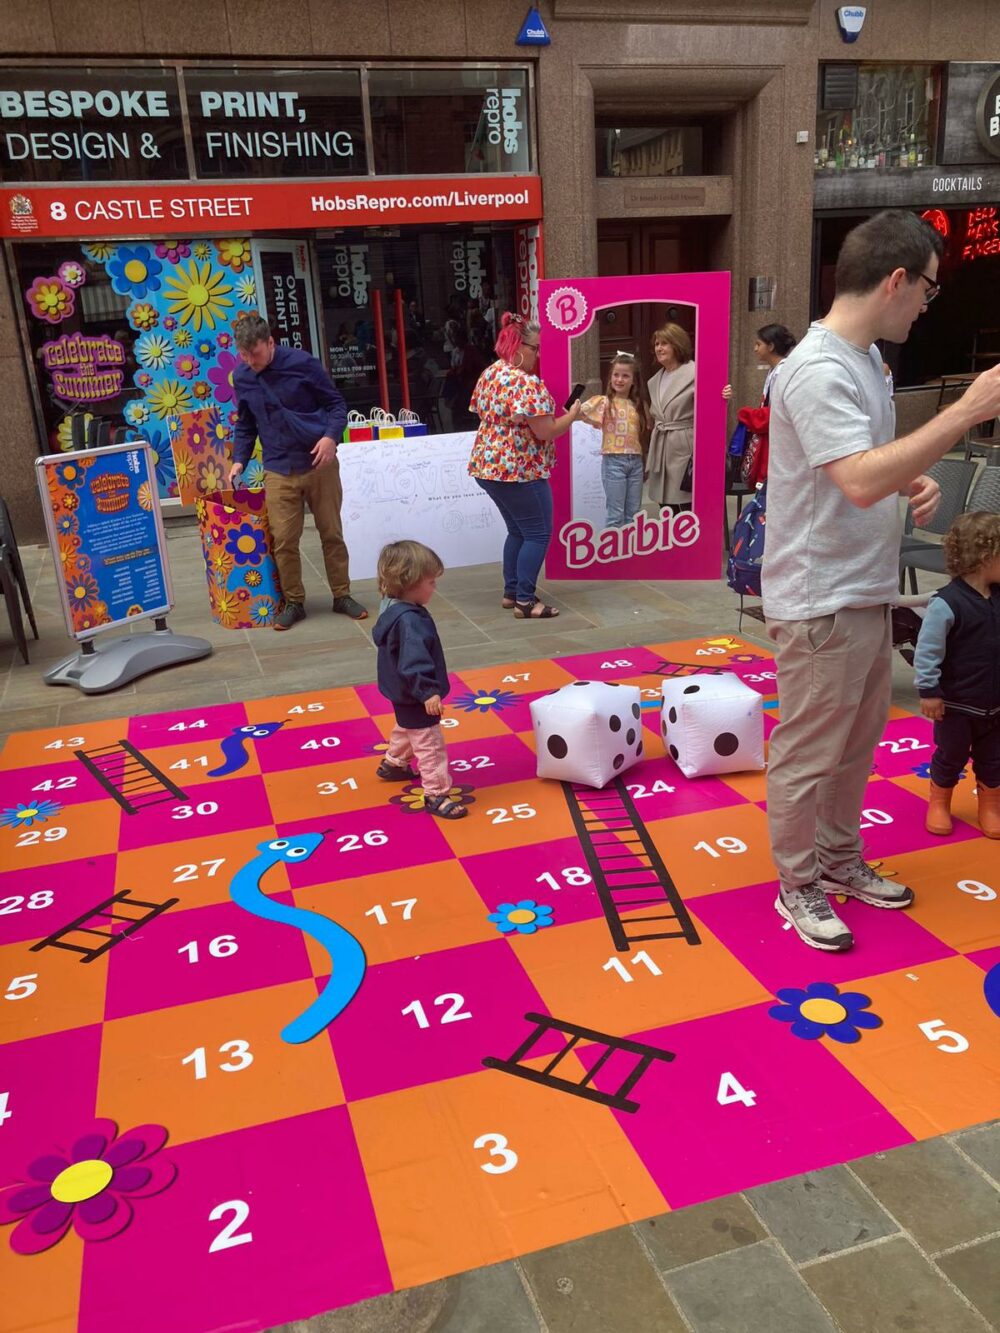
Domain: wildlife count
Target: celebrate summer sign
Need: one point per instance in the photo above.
(106, 536)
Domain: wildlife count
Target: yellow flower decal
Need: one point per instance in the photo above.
(184, 466)
(227, 607)
(234, 254)
(199, 296)
(169, 397)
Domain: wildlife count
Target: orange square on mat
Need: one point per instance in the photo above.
(341, 704)
(42, 1291)
(327, 789)
(49, 991)
(579, 974)
(953, 887)
(936, 1080)
(144, 1078)
(516, 814)
(401, 913)
(55, 745)
(518, 677)
(700, 863)
(440, 1212)
(198, 871)
(74, 833)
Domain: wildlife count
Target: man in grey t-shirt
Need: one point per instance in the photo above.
(831, 563)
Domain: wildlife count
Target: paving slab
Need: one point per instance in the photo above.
(750, 1290)
(700, 1232)
(983, 1146)
(975, 1271)
(820, 1213)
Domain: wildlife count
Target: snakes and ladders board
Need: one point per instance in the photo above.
(276, 1040)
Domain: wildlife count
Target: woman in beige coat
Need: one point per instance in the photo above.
(671, 401)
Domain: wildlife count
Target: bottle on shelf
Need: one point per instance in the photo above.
(880, 155)
(823, 155)
(852, 160)
(912, 151)
(922, 153)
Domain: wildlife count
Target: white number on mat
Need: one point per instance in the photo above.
(873, 817)
(20, 988)
(186, 811)
(616, 965)
(221, 947)
(378, 912)
(39, 899)
(497, 1145)
(976, 889)
(477, 761)
(516, 812)
(227, 1237)
(241, 1058)
(935, 1030)
(354, 842)
(731, 1090)
(60, 745)
(573, 875)
(331, 788)
(453, 1014)
(188, 726)
(732, 845)
(182, 873)
(31, 837)
(56, 784)
(327, 743)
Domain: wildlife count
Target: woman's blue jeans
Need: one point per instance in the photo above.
(526, 509)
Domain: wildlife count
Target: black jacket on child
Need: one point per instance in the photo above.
(970, 672)
(411, 667)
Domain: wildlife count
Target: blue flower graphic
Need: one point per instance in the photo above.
(23, 816)
(134, 271)
(253, 475)
(67, 524)
(526, 917)
(163, 459)
(246, 544)
(924, 771)
(823, 1010)
(205, 347)
(70, 474)
(484, 701)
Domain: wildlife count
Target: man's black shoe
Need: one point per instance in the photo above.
(290, 615)
(347, 606)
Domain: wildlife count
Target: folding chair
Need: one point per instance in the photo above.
(954, 476)
(984, 498)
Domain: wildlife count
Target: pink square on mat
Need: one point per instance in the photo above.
(808, 1112)
(379, 1048)
(61, 893)
(366, 842)
(892, 823)
(377, 704)
(747, 924)
(509, 760)
(760, 676)
(154, 969)
(68, 783)
(509, 876)
(217, 807)
(985, 958)
(907, 744)
(615, 664)
(158, 729)
(690, 796)
(328, 743)
(306, 1239)
(52, 1082)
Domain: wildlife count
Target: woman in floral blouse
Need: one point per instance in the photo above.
(513, 456)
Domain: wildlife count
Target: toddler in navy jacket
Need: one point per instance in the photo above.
(957, 664)
(412, 673)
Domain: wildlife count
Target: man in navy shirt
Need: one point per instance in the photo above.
(287, 398)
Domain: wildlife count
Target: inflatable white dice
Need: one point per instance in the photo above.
(712, 724)
(589, 732)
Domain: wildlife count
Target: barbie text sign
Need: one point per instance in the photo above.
(675, 532)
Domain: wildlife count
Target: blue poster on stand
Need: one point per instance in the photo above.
(106, 536)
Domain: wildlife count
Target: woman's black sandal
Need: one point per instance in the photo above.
(526, 611)
(444, 807)
(508, 603)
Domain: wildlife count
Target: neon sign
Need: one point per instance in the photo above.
(982, 233)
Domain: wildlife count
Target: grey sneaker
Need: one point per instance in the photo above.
(290, 614)
(347, 606)
(810, 915)
(860, 880)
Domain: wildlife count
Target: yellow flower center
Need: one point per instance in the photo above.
(246, 544)
(485, 699)
(79, 592)
(26, 814)
(135, 270)
(827, 1012)
(198, 294)
(521, 916)
(82, 1181)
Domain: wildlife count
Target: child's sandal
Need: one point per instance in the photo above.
(535, 610)
(508, 603)
(444, 807)
(393, 773)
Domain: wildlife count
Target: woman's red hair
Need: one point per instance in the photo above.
(511, 335)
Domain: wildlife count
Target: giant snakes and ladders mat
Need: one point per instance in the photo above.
(275, 1040)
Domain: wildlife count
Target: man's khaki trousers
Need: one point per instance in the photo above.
(287, 498)
(834, 689)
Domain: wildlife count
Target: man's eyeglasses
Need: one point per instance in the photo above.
(933, 288)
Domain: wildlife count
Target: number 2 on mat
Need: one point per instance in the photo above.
(227, 1237)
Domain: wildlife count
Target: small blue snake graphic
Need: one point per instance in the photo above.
(346, 954)
(234, 749)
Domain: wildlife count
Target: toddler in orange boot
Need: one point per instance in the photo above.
(957, 664)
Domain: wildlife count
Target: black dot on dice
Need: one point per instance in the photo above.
(617, 762)
(615, 723)
(581, 682)
(691, 689)
(663, 725)
(630, 736)
(635, 711)
(672, 715)
(674, 752)
(557, 747)
(638, 748)
(727, 743)
(613, 684)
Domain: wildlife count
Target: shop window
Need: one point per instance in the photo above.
(892, 123)
(63, 124)
(284, 122)
(647, 150)
(440, 122)
(441, 294)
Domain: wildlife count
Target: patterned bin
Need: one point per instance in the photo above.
(243, 586)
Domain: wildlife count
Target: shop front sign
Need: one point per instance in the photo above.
(988, 115)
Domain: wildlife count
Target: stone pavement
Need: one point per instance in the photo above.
(903, 1241)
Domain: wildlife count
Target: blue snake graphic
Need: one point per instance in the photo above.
(234, 749)
(346, 953)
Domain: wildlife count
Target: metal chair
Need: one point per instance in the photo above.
(954, 476)
(13, 584)
(984, 498)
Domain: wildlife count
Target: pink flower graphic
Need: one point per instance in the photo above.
(92, 1186)
(50, 299)
(187, 365)
(222, 376)
(173, 251)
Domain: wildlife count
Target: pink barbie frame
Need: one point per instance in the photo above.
(682, 546)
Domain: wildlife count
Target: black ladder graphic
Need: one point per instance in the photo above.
(671, 669)
(109, 936)
(617, 1100)
(129, 777)
(628, 871)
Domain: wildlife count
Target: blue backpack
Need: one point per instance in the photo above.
(747, 554)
